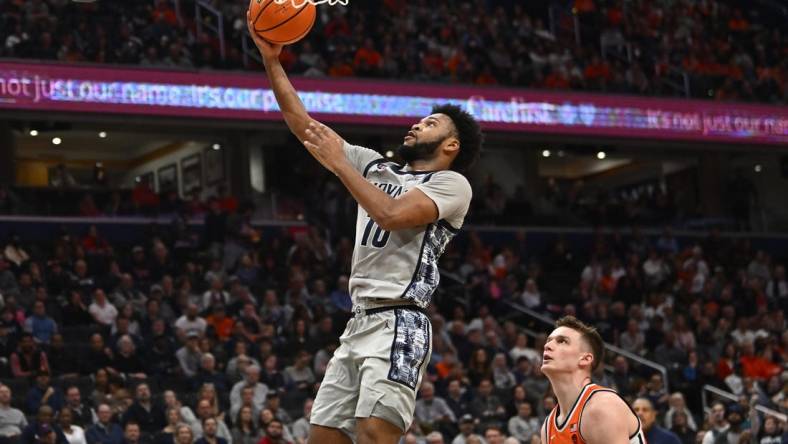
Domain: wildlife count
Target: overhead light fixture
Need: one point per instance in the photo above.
(389, 154)
(601, 155)
(33, 132)
(561, 153)
(138, 179)
(216, 146)
(758, 168)
(546, 153)
(103, 134)
(56, 141)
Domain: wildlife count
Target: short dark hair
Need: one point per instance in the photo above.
(589, 334)
(468, 132)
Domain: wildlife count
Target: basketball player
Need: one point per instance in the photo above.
(586, 413)
(406, 217)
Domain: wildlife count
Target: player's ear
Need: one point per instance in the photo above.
(451, 145)
(587, 359)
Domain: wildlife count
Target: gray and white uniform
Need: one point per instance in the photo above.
(382, 357)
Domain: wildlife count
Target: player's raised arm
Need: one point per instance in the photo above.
(293, 110)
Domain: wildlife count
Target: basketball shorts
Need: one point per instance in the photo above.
(376, 371)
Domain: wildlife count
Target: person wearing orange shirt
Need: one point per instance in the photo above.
(572, 352)
(222, 325)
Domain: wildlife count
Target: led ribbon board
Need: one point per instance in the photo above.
(246, 96)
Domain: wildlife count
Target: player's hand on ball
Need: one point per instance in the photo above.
(267, 50)
(325, 146)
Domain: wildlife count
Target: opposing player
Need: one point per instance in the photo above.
(586, 413)
(406, 217)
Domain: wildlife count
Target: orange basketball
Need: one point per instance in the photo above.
(283, 24)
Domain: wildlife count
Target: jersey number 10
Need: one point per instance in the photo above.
(379, 239)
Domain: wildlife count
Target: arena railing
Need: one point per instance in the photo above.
(217, 28)
(732, 397)
(547, 320)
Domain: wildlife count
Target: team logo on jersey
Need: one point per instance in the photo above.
(573, 428)
(381, 166)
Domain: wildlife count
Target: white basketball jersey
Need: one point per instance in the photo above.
(402, 265)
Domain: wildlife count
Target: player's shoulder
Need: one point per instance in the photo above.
(452, 177)
(603, 398)
(604, 409)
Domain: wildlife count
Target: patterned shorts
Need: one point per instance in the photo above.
(376, 371)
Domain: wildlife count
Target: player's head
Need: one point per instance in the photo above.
(449, 132)
(572, 346)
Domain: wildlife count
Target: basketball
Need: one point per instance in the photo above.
(281, 23)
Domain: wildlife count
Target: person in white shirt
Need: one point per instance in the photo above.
(102, 311)
(190, 322)
(531, 296)
(521, 349)
(74, 433)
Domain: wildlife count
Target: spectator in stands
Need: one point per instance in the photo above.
(718, 425)
(104, 431)
(655, 434)
(205, 411)
(273, 404)
(43, 425)
(184, 434)
(466, 424)
(524, 426)
(219, 322)
(43, 393)
(190, 322)
(144, 412)
(632, 340)
(300, 375)
(132, 434)
(167, 434)
(301, 426)
(432, 411)
(12, 421)
(189, 356)
(28, 359)
(494, 435)
(127, 361)
(102, 311)
(81, 415)
(210, 428)
(251, 379)
(274, 433)
(74, 433)
(99, 356)
(244, 429)
(678, 404)
(171, 402)
(486, 406)
(681, 428)
(41, 326)
(207, 374)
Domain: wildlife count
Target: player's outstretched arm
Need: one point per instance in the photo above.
(607, 419)
(293, 110)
